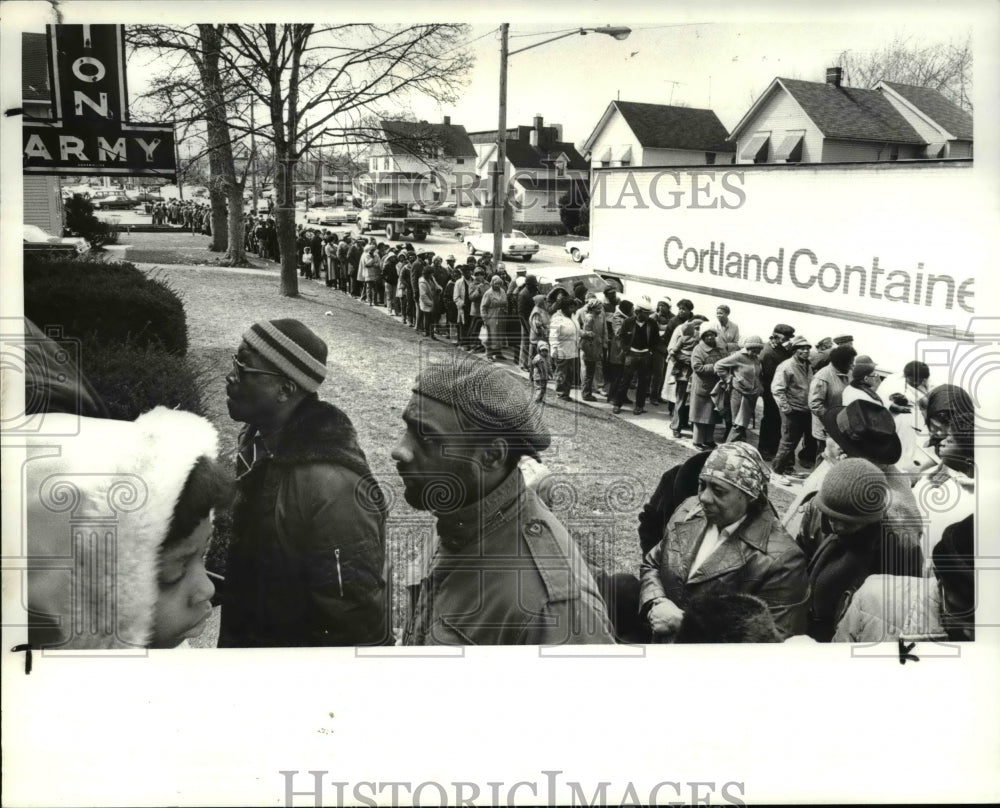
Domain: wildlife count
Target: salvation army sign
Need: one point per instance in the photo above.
(91, 133)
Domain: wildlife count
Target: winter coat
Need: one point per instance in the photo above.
(107, 478)
(463, 304)
(592, 334)
(676, 485)
(790, 387)
(825, 392)
(476, 291)
(838, 565)
(516, 578)
(628, 330)
(728, 338)
(564, 337)
(703, 381)
(525, 302)
(770, 358)
(887, 607)
(538, 325)
(429, 293)
(616, 356)
(742, 370)
(370, 267)
(492, 309)
(759, 558)
(306, 563)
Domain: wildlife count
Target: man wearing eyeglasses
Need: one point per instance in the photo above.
(306, 559)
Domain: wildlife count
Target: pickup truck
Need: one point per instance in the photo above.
(396, 220)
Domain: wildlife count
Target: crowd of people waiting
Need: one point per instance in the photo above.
(875, 547)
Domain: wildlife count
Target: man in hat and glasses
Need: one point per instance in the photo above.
(307, 554)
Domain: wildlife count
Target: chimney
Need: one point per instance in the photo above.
(834, 75)
(447, 120)
(536, 131)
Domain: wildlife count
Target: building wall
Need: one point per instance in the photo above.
(617, 135)
(780, 115)
(681, 157)
(530, 207)
(960, 148)
(847, 151)
(43, 203)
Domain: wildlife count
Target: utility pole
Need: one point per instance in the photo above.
(500, 173)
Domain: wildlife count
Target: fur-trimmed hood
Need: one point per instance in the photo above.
(102, 496)
(317, 432)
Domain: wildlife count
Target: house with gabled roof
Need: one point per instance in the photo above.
(420, 161)
(43, 206)
(795, 121)
(540, 168)
(945, 126)
(630, 133)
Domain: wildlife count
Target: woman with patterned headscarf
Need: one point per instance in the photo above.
(725, 540)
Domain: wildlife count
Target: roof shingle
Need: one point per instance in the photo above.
(850, 113)
(659, 126)
(936, 107)
(408, 137)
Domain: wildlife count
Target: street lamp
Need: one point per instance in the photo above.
(499, 201)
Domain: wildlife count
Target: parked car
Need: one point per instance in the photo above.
(513, 245)
(578, 250)
(330, 216)
(568, 278)
(37, 240)
(113, 203)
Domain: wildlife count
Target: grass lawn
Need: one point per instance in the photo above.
(606, 468)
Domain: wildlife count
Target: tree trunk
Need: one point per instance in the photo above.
(237, 256)
(284, 221)
(224, 190)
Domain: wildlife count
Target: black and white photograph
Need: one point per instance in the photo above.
(652, 347)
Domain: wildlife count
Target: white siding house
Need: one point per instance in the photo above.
(797, 121)
(637, 134)
(540, 167)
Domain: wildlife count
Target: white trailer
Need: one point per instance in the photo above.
(888, 252)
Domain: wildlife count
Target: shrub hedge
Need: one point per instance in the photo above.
(133, 379)
(110, 301)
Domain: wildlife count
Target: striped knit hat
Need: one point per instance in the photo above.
(292, 348)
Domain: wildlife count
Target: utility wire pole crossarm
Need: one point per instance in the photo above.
(498, 187)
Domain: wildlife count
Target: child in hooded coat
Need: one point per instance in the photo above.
(135, 497)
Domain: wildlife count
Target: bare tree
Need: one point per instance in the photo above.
(945, 67)
(319, 82)
(194, 89)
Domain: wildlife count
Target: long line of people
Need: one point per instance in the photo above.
(874, 548)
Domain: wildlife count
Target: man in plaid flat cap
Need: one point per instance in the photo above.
(504, 570)
(306, 560)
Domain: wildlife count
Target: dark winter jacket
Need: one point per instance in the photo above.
(306, 564)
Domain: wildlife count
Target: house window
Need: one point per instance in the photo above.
(756, 149)
(460, 161)
(605, 163)
(710, 158)
(626, 163)
(385, 164)
(894, 152)
(560, 169)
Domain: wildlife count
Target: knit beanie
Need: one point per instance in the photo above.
(854, 491)
(292, 348)
(863, 366)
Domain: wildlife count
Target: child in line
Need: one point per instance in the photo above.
(119, 520)
(540, 372)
